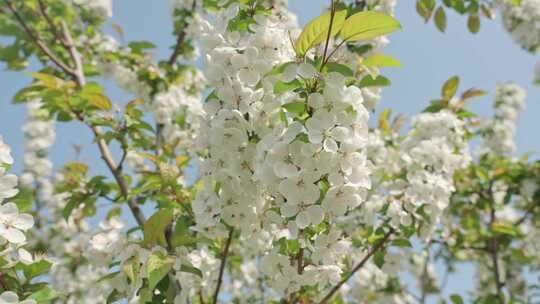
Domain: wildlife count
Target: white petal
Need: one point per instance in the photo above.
(14, 236)
(288, 210)
(330, 145)
(289, 74)
(302, 220)
(9, 297)
(315, 100)
(25, 257)
(24, 221)
(283, 170)
(306, 70)
(316, 214)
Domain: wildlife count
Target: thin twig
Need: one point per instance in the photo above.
(332, 14)
(40, 43)
(222, 266)
(102, 144)
(358, 266)
(494, 248)
(180, 40)
(52, 26)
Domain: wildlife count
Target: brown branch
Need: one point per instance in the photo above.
(40, 43)
(180, 39)
(358, 266)
(102, 144)
(222, 266)
(52, 26)
(332, 14)
(493, 251)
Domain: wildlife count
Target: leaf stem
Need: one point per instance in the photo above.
(224, 256)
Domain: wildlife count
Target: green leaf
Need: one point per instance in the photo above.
(450, 87)
(296, 107)
(279, 69)
(339, 68)
(378, 258)
(473, 23)
(456, 299)
(99, 101)
(48, 80)
(401, 243)
(316, 31)
(182, 236)
(191, 269)
(440, 19)
(28, 93)
(154, 228)
(44, 294)
(369, 81)
(70, 206)
(282, 87)
(138, 46)
(36, 269)
(368, 25)
(157, 267)
(423, 10)
(504, 228)
(381, 61)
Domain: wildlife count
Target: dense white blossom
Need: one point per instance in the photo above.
(499, 134)
(522, 20)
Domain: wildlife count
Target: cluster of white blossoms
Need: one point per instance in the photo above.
(236, 115)
(102, 8)
(176, 108)
(432, 152)
(522, 20)
(39, 135)
(500, 131)
(13, 224)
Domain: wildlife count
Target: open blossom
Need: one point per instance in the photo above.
(9, 297)
(12, 224)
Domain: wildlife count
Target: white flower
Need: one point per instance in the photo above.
(5, 153)
(9, 297)
(13, 224)
(7, 186)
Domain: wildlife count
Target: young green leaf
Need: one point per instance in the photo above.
(154, 228)
(368, 25)
(381, 61)
(157, 267)
(440, 19)
(316, 31)
(450, 87)
(473, 23)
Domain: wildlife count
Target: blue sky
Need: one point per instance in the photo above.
(428, 58)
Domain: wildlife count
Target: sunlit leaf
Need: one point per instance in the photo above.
(368, 25)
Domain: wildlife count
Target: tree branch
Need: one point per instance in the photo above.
(358, 266)
(52, 26)
(222, 266)
(493, 247)
(180, 40)
(40, 43)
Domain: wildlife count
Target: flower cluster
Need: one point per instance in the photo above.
(521, 19)
(102, 8)
(12, 223)
(40, 135)
(500, 131)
